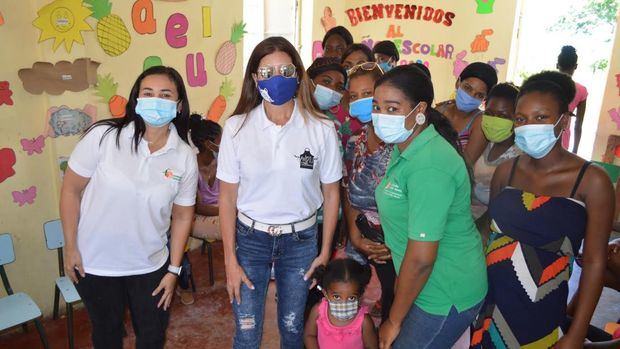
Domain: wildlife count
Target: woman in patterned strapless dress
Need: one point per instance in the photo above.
(543, 204)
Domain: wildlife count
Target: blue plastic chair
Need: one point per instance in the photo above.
(16, 308)
(55, 240)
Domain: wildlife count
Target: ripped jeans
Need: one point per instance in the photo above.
(292, 255)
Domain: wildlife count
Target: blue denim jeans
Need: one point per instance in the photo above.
(423, 330)
(291, 255)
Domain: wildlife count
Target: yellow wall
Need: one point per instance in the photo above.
(465, 26)
(36, 267)
(611, 101)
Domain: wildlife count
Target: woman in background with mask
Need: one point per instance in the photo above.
(328, 79)
(126, 178)
(497, 129)
(543, 204)
(424, 205)
(472, 87)
(386, 55)
(279, 162)
(366, 158)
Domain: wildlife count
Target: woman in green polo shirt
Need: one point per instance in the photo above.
(424, 205)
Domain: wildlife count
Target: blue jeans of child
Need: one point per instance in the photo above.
(423, 330)
(291, 255)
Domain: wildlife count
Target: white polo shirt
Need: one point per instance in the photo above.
(126, 206)
(279, 168)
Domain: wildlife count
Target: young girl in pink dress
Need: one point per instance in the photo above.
(339, 321)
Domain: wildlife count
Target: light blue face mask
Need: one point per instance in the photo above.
(156, 112)
(326, 98)
(465, 102)
(537, 140)
(361, 109)
(391, 128)
(385, 66)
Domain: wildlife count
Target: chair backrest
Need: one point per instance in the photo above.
(7, 254)
(54, 237)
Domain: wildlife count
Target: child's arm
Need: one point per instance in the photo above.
(310, 330)
(369, 335)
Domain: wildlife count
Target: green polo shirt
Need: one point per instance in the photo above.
(425, 196)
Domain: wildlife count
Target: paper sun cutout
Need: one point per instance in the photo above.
(63, 21)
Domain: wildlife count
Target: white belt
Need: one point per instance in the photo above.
(277, 229)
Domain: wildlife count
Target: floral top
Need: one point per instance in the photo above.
(365, 169)
(346, 126)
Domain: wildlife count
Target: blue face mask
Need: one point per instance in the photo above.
(361, 109)
(277, 90)
(465, 102)
(391, 128)
(326, 97)
(385, 66)
(537, 140)
(156, 112)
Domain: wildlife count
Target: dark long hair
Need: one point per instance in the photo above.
(416, 86)
(250, 98)
(181, 121)
(202, 130)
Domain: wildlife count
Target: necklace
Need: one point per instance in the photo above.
(158, 140)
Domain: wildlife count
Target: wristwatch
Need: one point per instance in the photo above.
(174, 270)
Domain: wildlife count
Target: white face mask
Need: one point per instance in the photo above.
(391, 128)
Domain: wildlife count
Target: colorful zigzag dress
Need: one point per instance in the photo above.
(533, 241)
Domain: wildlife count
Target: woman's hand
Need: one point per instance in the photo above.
(166, 284)
(318, 261)
(371, 249)
(387, 334)
(73, 262)
(234, 277)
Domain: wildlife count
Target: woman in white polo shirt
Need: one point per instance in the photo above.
(126, 178)
(279, 161)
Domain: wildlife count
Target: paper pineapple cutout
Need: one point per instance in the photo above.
(227, 53)
(112, 33)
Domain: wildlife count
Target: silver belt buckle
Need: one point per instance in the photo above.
(274, 230)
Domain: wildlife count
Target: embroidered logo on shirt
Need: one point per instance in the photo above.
(306, 159)
(168, 173)
(392, 189)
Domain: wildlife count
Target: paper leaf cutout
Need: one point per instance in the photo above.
(63, 164)
(112, 32)
(227, 53)
(480, 43)
(33, 145)
(485, 7)
(459, 64)
(25, 196)
(151, 61)
(7, 161)
(218, 106)
(60, 77)
(614, 113)
(328, 21)
(5, 93)
(63, 21)
(65, 121)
